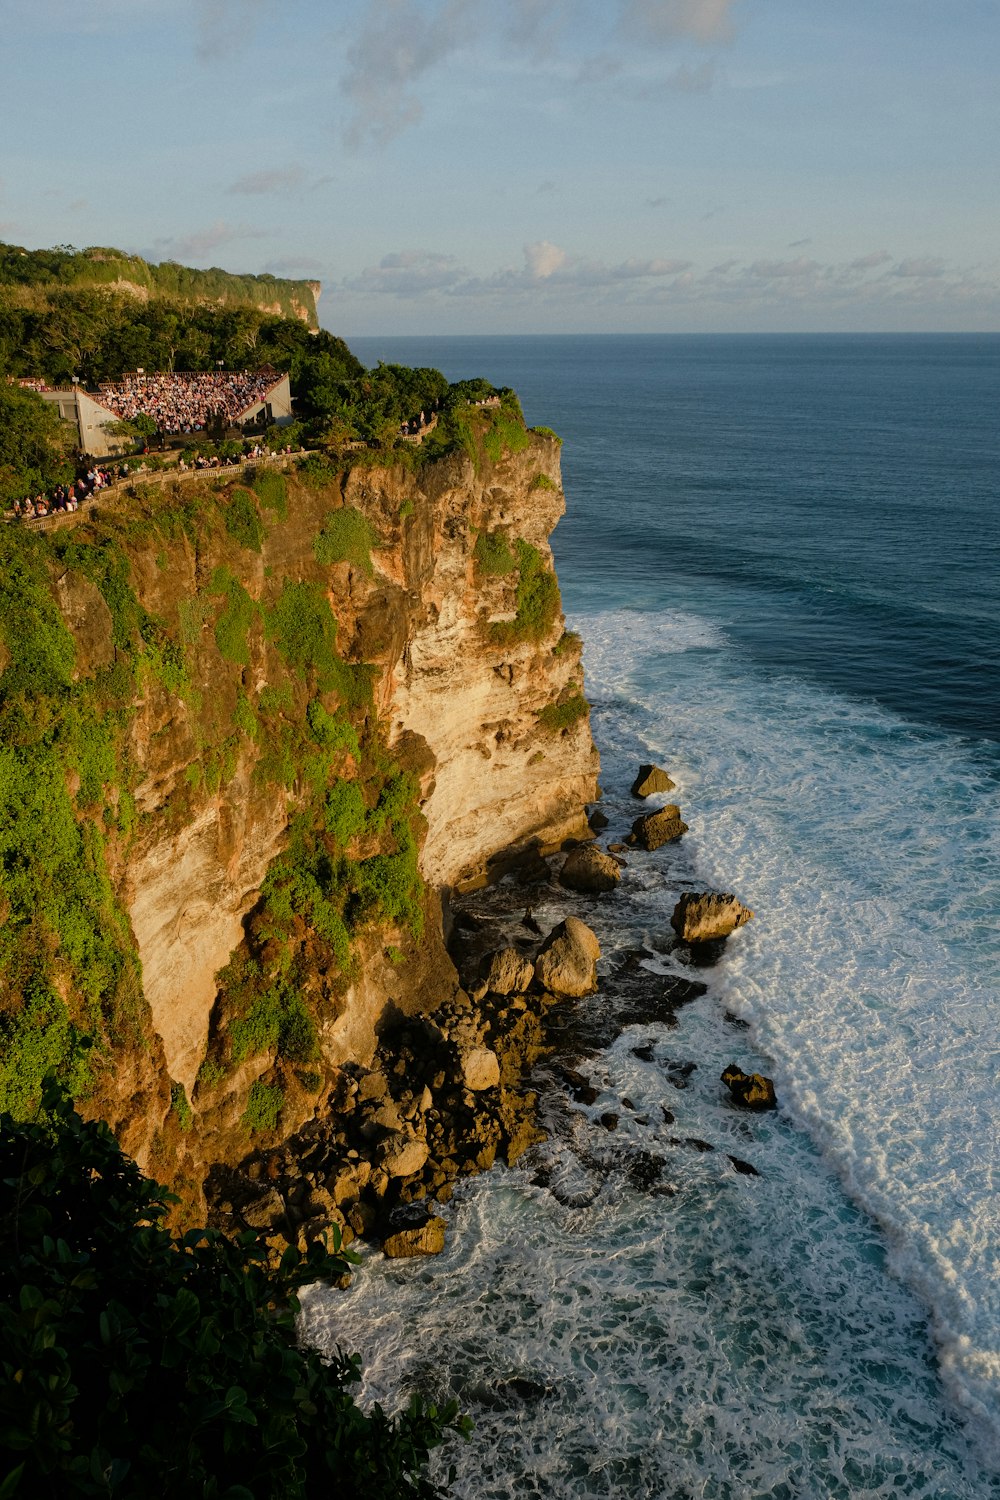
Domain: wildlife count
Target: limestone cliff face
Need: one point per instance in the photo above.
(460, 686)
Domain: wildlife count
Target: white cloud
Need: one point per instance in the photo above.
(401, 41)
(408, 273)
(703, 21)
(919, 268)
(543, 259)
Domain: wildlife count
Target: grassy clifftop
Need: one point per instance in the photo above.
(65, 267)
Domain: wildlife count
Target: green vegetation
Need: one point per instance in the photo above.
(271, 489)
(543, 482)
(546, 432)
(347, 536)
(34, 445)
(138, 1363)
(243, 521)
(536, 597)
(264, 1105)
(239, 612)
(493, 555)
(556, 717)
(181, 1107)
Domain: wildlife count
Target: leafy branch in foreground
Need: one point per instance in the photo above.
(137, 1363)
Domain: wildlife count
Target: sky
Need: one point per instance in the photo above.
(521, 166)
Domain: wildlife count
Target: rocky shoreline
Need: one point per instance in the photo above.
(449, 1093)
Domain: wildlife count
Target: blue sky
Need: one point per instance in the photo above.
(527, 165)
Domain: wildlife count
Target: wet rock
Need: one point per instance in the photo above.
(653, 830)
(609, 1120)
(752, 1090)
(580, 1088)
(597, 820)
(651, 779)
(644, 1169)
(590, 870)
(567, 961)
(744, 1167)
(708, 916)
(509, 973)
(528, 921)
(404, 1240)
(644, 1053)
(668, 1115)
(736, 1021)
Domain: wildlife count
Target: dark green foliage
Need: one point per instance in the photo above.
(264, 1105)
(347, 536)
(546, 432)
(493, 555)
(344, 812)
(33, 445)
(332, 731)
(271, 488)
(238, 614)
(180, 1106)
(271, 1015)
(556, 717)
(543, 482)
(136, 1364)
(303, 628)
(243, 520)
(537, 599)
(505, 431)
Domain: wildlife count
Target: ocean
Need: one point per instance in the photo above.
(783, 555)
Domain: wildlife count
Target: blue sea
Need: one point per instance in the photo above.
(783, 555)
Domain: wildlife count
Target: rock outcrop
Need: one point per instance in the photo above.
(653, 830)
(590, 870)
(752, 1090)
(708, 917)
(567, 960)
(650, 780)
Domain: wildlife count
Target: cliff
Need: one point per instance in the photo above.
(50, 271)
(252, 728)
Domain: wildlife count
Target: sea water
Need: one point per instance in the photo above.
(784, 558)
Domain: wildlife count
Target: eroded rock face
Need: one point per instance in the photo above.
(653, 830)
(651, 779)
(409, 1240)
(589, 869)
(509, 973)
(708, 917)
(567, 960)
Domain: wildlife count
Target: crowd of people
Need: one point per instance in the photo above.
(179, 402)
(69, 497)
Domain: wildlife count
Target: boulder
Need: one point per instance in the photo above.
(480, 1070)
(590, 869)
(708, 916)
(264, 1211)
(650, 780)
(567, 960)
(598, 821)
(509, 973)
(415, 1239)
(401, 1158)
(752, 1090)
(654, 829)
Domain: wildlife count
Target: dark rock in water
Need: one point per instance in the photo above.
(598, 821)
(412, 1230)
(627, 1104)
(590, 870)
(651, 779)
(645, 1053)
(692, 1141)
(644, 1169)
(617, 848)
(752, 1090)
(681, 1069)
(580, 1089)
(668, 1115)
(653, 830)
(517, 1391)
(702, 955)
(736, 1021)
(708, 916)
(744, 1167)
(528, 921)
(609, 1120)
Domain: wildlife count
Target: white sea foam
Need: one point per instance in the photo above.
(870, 851)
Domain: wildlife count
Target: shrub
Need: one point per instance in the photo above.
(536, 597)
(556, 717)
(271, 488)
(138, 1363)
(347, 536)
(180, 1106)
(264, 1105)
(493, 555)
(243, 520)
(543, 482)
(238, 614)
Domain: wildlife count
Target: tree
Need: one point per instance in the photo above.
(34, 445)
(135, 1363)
